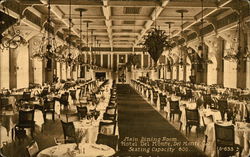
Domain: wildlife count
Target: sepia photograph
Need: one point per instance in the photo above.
(124, 78)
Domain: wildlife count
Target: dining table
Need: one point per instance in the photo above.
(85, 150)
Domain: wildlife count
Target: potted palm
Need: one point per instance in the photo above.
(155, 42)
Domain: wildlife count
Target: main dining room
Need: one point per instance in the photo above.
(124, 78)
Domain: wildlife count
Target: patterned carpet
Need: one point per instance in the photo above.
(144, 132)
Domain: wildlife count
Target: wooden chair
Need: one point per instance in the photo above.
(107, 128)
(68, 132)
(224, 138)
(32, 149)
(49, 107)
(174, 109)
(192, 119)
(109, 140)
(82, 111)
(26, 120)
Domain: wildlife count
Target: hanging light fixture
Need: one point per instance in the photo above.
(48, 47)
(202, 59)
(155, 42)
(13, 38)
(87, 48)
(181, 61)
(237, 53)
(69, 58)
(80, 47)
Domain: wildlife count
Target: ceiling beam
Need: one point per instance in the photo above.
(154, 15)
(206, 13)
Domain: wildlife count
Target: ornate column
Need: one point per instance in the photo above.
(36, 66)
(247, 28)
(4, 69)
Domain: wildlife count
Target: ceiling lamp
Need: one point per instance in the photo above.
(238, 53)
(181, 62)
(47, 49)
(81, 58)
(202, 59)
(12, 39)
(87, 49)
(70, 57)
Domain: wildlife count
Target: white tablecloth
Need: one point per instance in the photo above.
(86, 150)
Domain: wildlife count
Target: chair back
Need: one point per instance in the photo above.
(224, 135)
(45, 92)
(174, 105)
(189, 93)
(26, 116)
(49, 105)
(107, 128)
(82, 111)
(65, 97)
(111, 109)
(107, 116)
(192, 115)
(26, 96)
(32, 149)
(213, 91)
(162, 99)
(68, 130)
(109, 140)
(73, 94)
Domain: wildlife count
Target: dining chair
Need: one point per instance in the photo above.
(192, 119)
(174, 109)
(213, 91)
(207, 98)
(109, 140)
(32, 149)
(64, 99)
(26, 120)
(111, 109)
(73, 94)
(107, 128)
(4, 104)
(189, 94)
(178, 91)
(68, 131)
(49, 108)
(107, 116)
(163, 101)
(155, 96)
(44, 92)
(225, 141)
(26, 97)
(223, 107)
(82, 111)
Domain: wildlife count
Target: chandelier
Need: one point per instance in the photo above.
(181, 62)
(80, 47)
(202, 59)
(13, 38)
(237, 53)
(48, 46)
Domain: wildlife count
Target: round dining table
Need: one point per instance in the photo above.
(85, 150)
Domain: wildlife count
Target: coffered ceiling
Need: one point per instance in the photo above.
(122, 23)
